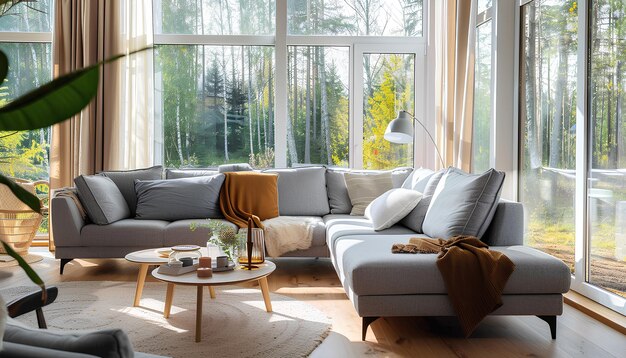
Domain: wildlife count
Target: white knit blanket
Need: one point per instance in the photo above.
(288, 233)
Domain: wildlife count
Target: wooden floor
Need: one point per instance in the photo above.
(316, 282)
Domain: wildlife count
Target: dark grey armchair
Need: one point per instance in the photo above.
(20, 341)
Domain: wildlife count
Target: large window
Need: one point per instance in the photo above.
(281, 82)
(547, 126)
(26, 39)
(483, 74)
(607, 146)
(572, 139)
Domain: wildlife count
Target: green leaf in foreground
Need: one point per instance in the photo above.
(24, 195)
(51, 103)
(26, 267)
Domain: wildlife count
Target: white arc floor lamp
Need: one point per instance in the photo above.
(400, 130)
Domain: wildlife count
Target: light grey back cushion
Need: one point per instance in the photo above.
(238, 167)
(302, 191)
(415, 218)
(418, 179)
(338, 198)
(125, 181)
(177, 199)
(463, 204)
(112, 343)
(102, 199)
(189, 173)
(363, 188)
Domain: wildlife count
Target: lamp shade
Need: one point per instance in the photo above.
(400, 130)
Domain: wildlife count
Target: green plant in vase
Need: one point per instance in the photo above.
(222, 235)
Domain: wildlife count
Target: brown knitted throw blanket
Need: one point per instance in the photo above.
(474, 275)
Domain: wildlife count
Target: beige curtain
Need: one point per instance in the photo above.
(131, 139)
(454, 35)
(115, 130)
(79, 41)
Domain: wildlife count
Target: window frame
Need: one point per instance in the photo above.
(281, 40)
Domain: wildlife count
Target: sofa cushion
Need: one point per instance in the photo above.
(104, 343)
(127, 232)
(125, 181)
(363, 188)
(365, 264)
(177, 199)
(463, 204)
(338, 225)
(102, 199)
(418, 179)
(389, 208)
(302, 191)
(237, 167)
(189, 173)
(338, 198)
(415, 218)
(180, 233)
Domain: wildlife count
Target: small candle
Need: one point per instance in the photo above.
(204, 272)
(205, 262)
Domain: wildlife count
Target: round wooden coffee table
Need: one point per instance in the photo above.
(237, 275)
(147, 258)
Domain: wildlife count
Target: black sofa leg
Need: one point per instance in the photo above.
(551, 321)
(366, 323)
(63, 263)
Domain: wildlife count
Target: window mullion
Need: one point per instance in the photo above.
(280, 83)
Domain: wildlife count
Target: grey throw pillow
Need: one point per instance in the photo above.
(418, 179)
(178, 199)
(338, 198)
(463, 204)
(238, 167)
(415, 218)
(102, 199)
(189, 173)
(363, 188)
(125, 181)
(302, 191)
(112, 343)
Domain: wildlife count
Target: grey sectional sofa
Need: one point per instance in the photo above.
(379, 283)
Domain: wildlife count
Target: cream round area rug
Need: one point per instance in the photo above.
(8, 261)
(234, 324)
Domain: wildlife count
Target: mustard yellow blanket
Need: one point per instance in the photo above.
(249, 194)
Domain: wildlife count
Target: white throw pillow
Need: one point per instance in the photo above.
(391, 207)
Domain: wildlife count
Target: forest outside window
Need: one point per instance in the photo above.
(216, 104)
(216, 83)
(26, 39)
(355, 17)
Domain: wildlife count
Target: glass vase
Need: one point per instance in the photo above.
(258, 246)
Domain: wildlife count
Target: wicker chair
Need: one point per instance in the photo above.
(18, 223)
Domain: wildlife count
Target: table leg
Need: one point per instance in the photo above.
(141, 280)
(211, 291)
(169, 296)
(266, 293)
(199, 313)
